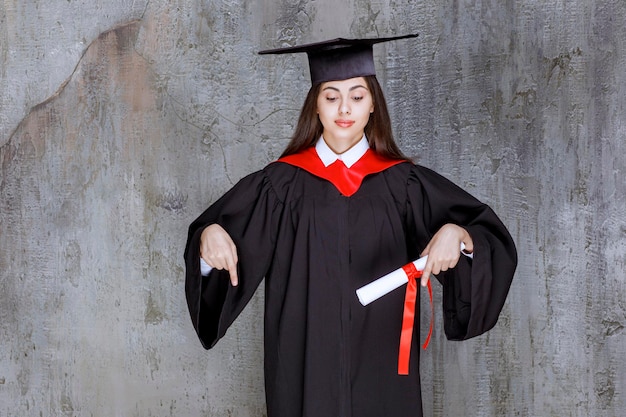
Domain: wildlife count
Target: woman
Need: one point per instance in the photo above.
(340, 208)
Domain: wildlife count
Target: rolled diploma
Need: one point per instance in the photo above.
(387, 283)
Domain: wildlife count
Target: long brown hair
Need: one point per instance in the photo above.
(378, 129)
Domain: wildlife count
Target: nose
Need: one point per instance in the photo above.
(344, 107)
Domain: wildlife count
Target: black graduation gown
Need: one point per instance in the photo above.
(326, 355)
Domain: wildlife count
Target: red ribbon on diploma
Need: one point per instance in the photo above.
(408, 318)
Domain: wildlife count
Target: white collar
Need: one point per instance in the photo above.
(349, 157)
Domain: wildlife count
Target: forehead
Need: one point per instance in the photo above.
(348, 84)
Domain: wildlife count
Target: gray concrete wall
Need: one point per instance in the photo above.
(121, 120)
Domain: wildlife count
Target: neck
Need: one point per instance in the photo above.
(340, 147)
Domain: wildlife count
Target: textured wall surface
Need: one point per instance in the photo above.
(121, 120)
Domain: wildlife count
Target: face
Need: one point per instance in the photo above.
(344, 108)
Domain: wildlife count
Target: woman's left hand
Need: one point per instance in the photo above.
(443, 250)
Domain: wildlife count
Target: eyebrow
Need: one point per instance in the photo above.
(350, 89)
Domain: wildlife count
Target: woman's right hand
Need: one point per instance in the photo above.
(219, 251)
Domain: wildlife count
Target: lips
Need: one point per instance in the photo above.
(344, 123)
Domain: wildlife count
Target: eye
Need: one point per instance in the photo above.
(357, 98)
(331, 98)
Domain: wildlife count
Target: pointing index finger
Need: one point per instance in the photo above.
(426, 274)
(232, 271)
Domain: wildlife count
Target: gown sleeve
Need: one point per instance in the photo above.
(475, 290)
(249, 213)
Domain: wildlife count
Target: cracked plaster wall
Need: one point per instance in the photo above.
(121, 120)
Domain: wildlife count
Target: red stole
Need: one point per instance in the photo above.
(347, 180)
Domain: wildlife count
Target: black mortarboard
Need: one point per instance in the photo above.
(338, 59)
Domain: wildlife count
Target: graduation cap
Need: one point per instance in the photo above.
(338, 59)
